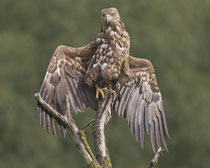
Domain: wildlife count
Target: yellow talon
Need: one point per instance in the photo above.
(100, 90)
(113, 91)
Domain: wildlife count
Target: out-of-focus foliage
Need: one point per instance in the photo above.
(174, 35)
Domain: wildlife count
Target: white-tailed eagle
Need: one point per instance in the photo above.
(83, 73)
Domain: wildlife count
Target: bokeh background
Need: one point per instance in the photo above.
(174, 35)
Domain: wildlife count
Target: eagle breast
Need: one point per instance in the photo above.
(107, 62)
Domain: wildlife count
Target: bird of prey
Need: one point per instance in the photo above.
(84, 73)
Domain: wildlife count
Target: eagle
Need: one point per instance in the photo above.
(83, 74)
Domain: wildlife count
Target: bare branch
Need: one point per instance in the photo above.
(88, 124)
(103, 116)
(154, 161)
(77, 135)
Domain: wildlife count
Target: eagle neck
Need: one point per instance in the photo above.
(118, 38)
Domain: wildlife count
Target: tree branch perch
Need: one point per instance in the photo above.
(102, 159)
(154, 161)
(102, 118)
(78, 136)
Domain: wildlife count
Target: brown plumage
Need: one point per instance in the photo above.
(74, 72)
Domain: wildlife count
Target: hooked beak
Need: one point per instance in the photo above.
(107, 19)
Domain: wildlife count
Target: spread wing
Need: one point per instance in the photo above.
(65, 77)
(140, 102)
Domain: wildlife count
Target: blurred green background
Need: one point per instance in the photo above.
(174, 35)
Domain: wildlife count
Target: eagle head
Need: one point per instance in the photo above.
(110, 18)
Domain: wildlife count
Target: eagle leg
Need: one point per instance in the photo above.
(100, 91)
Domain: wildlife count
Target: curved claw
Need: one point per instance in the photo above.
(113, 91)
(100, 91)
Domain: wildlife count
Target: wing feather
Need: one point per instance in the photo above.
(52, 125)
(65, 77)
(162, 132)
(162, 111)
(141, 120)
(136, 118)
(132, 108)
(141, 103)
(157, 132)
(48, 126)
(152, 136)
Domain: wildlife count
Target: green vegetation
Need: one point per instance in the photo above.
(174, 35)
